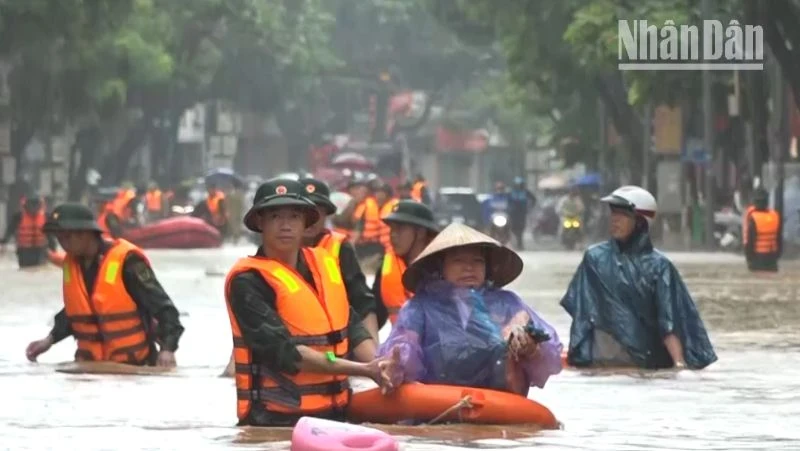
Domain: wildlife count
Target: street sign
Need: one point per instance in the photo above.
(694, 152)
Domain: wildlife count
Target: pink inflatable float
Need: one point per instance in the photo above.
(313, 434)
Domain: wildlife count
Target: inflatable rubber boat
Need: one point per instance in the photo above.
(182, 232)
(448, 403)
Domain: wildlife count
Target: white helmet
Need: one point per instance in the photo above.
(636, 198)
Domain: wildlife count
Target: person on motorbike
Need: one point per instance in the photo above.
(497, 204)
(571, 206)
(521, 202)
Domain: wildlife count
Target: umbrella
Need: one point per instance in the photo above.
(590, 179)
(352, 160)
(224, 176)
(552, 182)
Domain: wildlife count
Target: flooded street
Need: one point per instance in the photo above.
(748, 400)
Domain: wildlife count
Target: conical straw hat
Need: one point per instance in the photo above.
(503, 264)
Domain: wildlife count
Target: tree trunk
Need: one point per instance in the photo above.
(116, 165)
(84, 150)
(626, 121)
(779, 19)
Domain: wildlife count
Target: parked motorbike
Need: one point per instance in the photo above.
(572, 232)
(499, 228)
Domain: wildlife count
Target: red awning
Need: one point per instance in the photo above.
(448, 140)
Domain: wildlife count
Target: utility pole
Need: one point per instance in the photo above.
(708, 142)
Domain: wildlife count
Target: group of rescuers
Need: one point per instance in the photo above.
(303, 318)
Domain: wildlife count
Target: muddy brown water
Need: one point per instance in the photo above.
(749, 400)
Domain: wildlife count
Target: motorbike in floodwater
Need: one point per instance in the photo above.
(572, 232)
(499, 227)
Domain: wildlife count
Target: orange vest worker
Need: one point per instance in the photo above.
(368, 211)
(316, 318)
(154, 201)
(767, 226)
(385, 231)
(217, 217)
(29, 231)
(392, 292)
(107, 325)
(416, 191)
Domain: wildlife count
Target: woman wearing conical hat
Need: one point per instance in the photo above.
(462, 328)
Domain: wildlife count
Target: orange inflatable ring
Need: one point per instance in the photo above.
(56, 258)
(564, 363)
(422, 402)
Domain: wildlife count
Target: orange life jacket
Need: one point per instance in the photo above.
(316, 318)
(213, 203)
(368, 211)
(385, 231)
(154, 201)
(29, 231)
(108, 325)
(416, 191)
(767, 226)
(332, 242)
(393, 294)
(120, 204)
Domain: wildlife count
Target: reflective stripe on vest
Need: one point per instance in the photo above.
(332, 242)
(393, 294)
(369, 212)
(316, 317)
(107, 325)
(767, 226)
(29, 231)
(386, 231)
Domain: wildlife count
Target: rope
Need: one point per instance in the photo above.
(465, 402)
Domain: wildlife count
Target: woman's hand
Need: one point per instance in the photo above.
(383, 370)
(520, 344)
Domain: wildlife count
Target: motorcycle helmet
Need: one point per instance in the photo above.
(634, 198)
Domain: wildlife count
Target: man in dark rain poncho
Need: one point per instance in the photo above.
(628, 303)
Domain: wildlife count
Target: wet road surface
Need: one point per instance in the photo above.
(749, 400)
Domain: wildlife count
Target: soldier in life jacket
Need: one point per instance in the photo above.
(358, 292)
(386, 203)
(419, 190)
(762, 234)
(366, 220)
(213, 208)
(26, 226)
(155, 203)
(291, 322)
(412, 228)
(114, 306)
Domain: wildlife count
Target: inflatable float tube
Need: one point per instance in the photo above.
(182, 232)
(113, 368)
(437, 403)
(56, 257)
(314, 434)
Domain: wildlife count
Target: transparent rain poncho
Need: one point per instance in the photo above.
(457, 336)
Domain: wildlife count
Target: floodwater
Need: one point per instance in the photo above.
(749, 400)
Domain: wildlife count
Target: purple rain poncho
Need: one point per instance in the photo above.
(457, 336)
